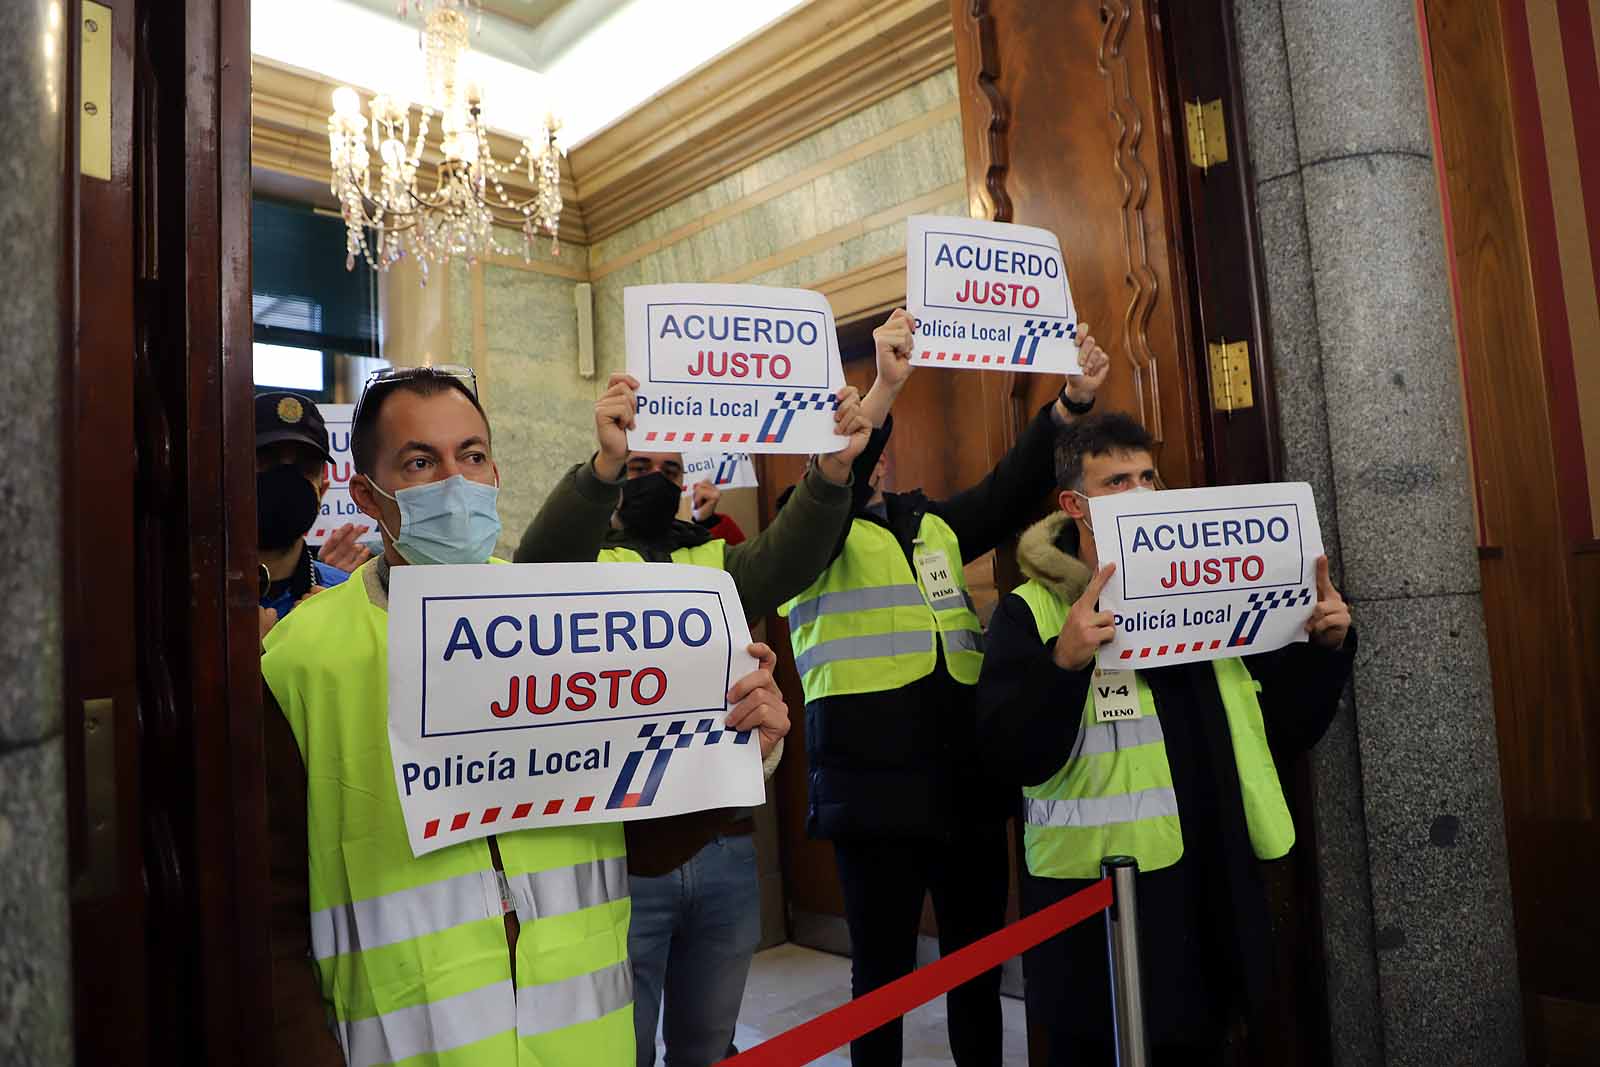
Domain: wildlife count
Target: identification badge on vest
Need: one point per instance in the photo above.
(1116, 696)
(933, 566)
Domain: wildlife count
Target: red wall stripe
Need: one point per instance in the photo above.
(1555, 335)
(1583, 89)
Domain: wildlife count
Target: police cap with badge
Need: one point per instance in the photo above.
(291, 417)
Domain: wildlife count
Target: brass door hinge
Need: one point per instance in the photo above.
(1208, 133)
(1230, 376)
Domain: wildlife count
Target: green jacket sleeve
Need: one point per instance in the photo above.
(787, 556)
(571, 526)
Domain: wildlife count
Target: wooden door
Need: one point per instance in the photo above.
(1073, 112)
(168, 842)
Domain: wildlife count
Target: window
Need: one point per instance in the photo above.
(286, 367)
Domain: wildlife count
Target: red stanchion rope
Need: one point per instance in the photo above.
(843, 1024)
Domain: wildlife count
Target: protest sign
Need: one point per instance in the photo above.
(989, 295)
(744, 365)
(725, 470)
(1206, 574)
(337, 507)
(534, 695)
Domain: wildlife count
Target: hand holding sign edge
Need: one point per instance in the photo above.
(851, 422)
(1086, 627)
(1330, 619)
(757, 701)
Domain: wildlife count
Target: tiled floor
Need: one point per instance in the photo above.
(789, 985)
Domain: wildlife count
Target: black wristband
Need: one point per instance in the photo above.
(1073, 406)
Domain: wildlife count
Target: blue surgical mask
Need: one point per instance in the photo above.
(449, 521)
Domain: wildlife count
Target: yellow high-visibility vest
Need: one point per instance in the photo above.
(411, 951)
(1113, 796)
(868, 623)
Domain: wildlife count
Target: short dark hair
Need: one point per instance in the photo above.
(1096, 435)
(364, 433)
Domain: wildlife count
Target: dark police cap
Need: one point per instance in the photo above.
(290, 417)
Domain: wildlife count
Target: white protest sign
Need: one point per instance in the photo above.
(534, 695)
(337, 507)
(725, 470)
(745, 365)
(990, 295)
(1206, 574)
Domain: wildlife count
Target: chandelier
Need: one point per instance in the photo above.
(388, 213)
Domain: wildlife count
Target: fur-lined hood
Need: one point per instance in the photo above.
(1042, 558)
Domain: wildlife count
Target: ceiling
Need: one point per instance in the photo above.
(530, 33)
(588, 61)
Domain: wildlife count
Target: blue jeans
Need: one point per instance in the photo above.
(691, 938)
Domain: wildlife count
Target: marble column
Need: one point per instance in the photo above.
(1416, 899)
(35, 991)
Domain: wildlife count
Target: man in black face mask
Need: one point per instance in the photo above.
(696, 917)
(291, 477)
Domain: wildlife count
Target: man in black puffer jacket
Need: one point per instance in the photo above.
(889, 649)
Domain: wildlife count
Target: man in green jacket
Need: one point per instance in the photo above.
(696, 903)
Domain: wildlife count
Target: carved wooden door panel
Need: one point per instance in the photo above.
(1073, 119)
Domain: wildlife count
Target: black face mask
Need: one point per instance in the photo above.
(649, 504)
(286, 506)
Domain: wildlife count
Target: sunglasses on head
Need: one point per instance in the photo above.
(392, 375)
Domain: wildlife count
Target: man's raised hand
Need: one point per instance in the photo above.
(848, 421)
(614, 416)
(1087, 627)
(343, 550)
(1330, 619)
(757, 701)
(704, 499)
(1094, 366)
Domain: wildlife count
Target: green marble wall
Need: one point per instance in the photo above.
(541, 410)
(895, 174)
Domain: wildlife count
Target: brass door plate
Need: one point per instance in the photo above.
(98, 878)
(94, 131)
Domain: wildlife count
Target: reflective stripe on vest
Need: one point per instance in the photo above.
(411, 952)
(435, 1027)
(1103, 811)
(866, 625)
(710, 554)
(1114, 795)
(580, 999)
(428, 909)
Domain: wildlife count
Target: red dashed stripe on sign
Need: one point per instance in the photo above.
(961, 357)
(460, 820)
(1158, 652)
(692, 437)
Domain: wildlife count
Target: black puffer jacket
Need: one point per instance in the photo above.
(903, 763)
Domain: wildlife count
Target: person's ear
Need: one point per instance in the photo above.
(1071, 503)
(366, 498)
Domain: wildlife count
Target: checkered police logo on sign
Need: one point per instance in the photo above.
(1034, 331)
(781, 417)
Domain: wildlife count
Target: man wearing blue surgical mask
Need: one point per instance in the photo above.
(497, 951)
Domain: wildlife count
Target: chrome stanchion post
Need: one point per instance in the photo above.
(1122, 946)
